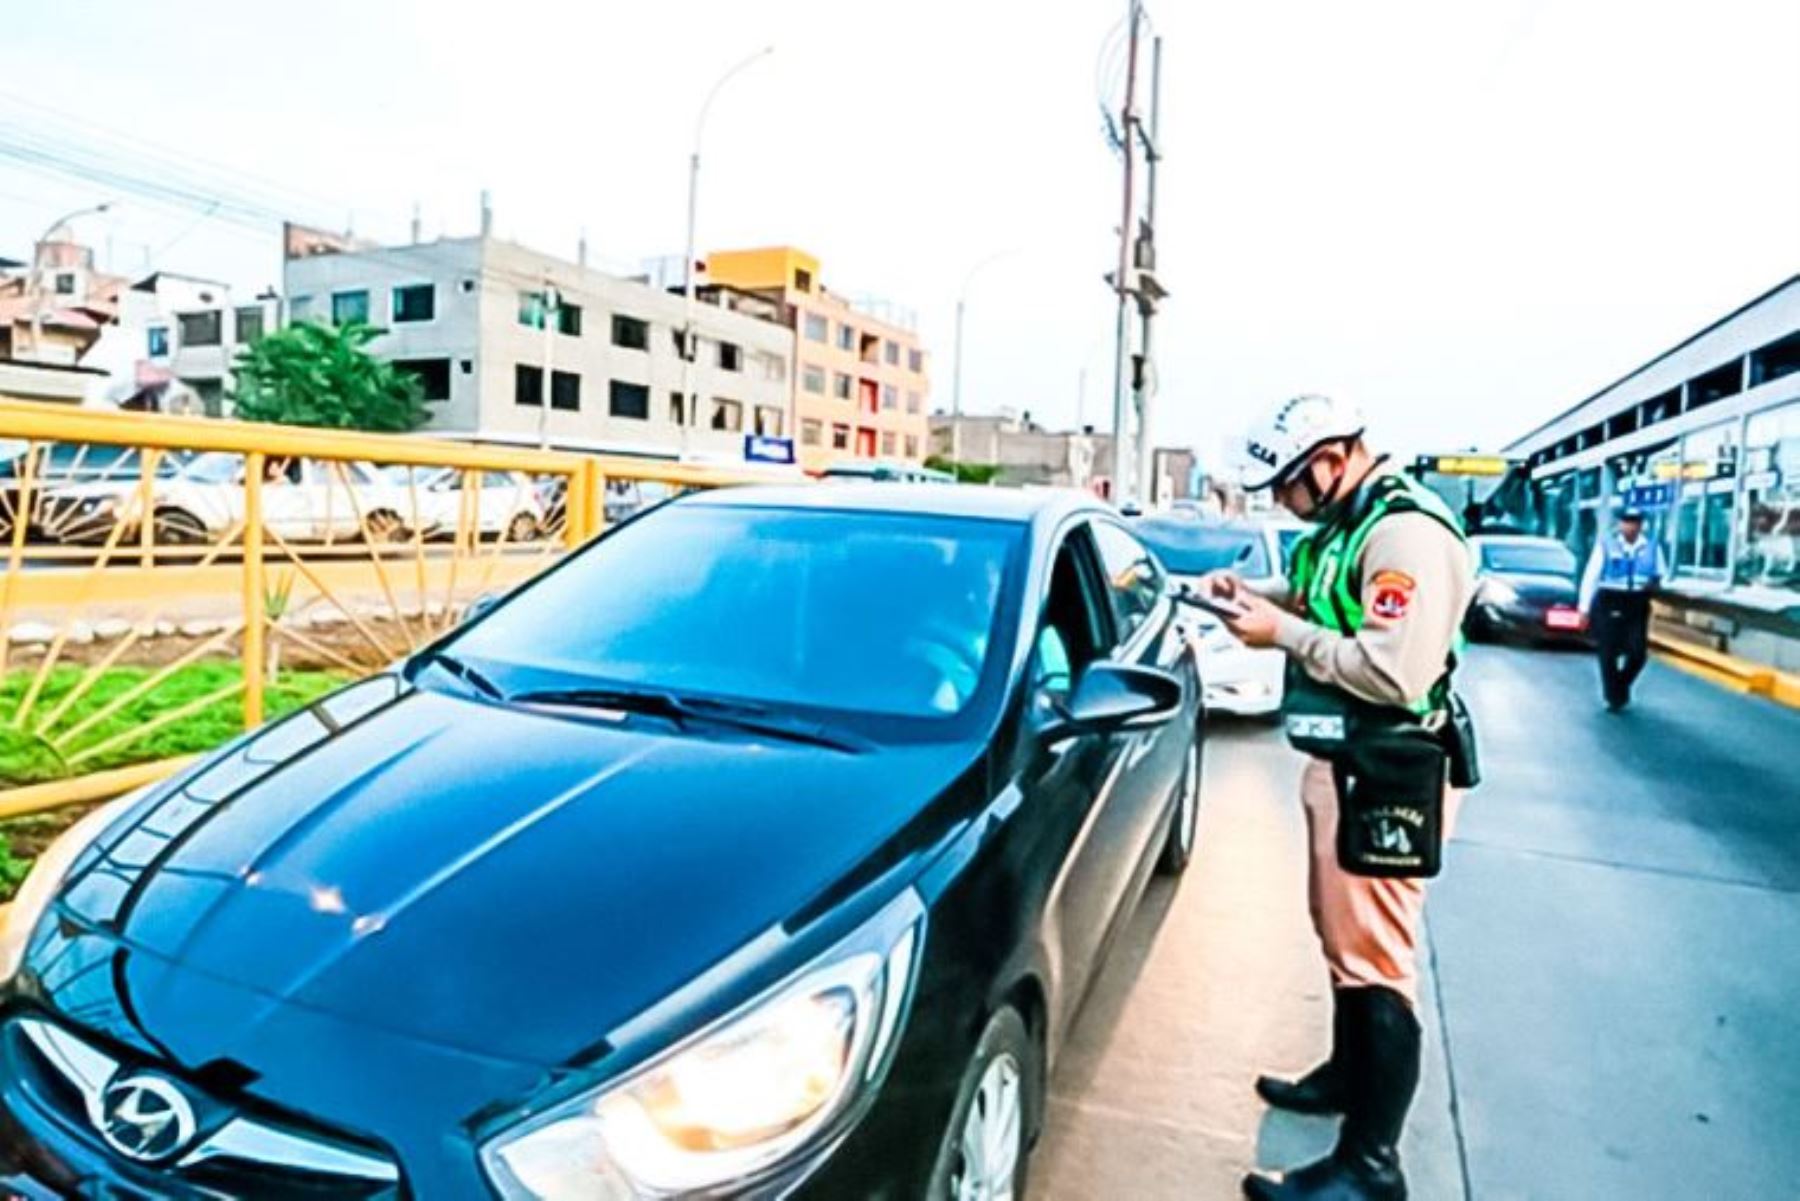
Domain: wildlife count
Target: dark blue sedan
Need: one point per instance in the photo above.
(765, 847)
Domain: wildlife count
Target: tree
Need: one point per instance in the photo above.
(965, 473)
(321, 375)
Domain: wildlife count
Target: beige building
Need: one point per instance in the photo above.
(860, 385)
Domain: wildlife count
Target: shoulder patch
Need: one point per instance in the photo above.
(1392, 595)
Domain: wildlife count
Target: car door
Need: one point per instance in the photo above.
(1146, 633)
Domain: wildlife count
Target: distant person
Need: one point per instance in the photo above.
(1375, 595)
(1623, 574)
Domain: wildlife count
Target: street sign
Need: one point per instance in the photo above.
(763, 448)
(1464, 465)
(1650, 496)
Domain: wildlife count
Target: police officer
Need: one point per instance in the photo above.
(1621, 577)
(1368, 620)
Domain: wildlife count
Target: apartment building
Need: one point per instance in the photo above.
(860, 385)
(511, 344)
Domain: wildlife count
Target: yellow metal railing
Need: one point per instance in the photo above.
(189, 542)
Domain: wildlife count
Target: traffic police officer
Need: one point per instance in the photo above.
(1369, 622)
(1616, 588)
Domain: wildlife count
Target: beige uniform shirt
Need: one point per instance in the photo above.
(1417, 579)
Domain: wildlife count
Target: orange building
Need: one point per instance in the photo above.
(859, 379)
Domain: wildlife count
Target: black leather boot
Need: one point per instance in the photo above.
(1382, 1073)
(1320, 1091)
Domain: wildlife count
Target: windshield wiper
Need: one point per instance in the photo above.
(462, 671)
(685, 710)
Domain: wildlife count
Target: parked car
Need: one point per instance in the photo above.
(1526, 589)
(1238, 679)
(507, 503)
(764, 847)
(64, 464)
(302, 500)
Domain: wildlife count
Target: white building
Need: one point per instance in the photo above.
(468, 317)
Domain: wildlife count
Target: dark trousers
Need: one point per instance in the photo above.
(1622, 636)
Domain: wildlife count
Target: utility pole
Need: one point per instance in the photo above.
(1148, 292)
(548, 308)
(1121, 457)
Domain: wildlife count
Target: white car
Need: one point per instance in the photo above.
(303, 500)
(1235, 678)
(507, 503)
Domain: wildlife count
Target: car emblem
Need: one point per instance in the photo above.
(146, 1118)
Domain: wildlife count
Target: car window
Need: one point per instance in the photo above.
(1187, 548)
(1134, 582)
(885, 615)
(1071, 633)
(1528, 558)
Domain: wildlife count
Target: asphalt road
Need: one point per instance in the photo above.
(1615, 965)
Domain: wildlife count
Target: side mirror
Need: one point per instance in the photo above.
(1112, 697)
(478, 608)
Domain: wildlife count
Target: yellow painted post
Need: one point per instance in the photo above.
(150, 456)
(254, 605)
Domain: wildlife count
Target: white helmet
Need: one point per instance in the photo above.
(1289, 431)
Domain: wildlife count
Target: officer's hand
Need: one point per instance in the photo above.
(1258, 618)
(1222, 585)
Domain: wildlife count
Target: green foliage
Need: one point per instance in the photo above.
(12, 868)
(322, 375)
(26, 758)
(965, 473)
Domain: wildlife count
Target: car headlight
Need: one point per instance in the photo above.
(740, 1098)
(1499, 592)
(47, 875)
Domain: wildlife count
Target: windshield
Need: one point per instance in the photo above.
(215, 468)
(1528, 558)
(883, 614)
(1196, 550)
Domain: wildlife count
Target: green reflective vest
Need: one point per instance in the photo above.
(1324, 575)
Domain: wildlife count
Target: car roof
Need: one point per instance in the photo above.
(1178, 526)
(925, 499)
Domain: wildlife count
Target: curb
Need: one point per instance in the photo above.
(1741, 675)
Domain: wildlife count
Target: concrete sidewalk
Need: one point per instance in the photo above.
(1216, 980)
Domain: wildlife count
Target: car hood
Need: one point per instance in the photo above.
(1535, 586)
(502, 881)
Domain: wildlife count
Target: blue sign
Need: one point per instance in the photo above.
(1650, 496)
(761, 448)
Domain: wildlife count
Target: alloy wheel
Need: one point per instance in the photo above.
(992, 1143)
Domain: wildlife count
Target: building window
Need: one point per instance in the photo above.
(812, 430)
(802, 280)
(200, 329)
(913, 402)
(847, 337)
(249, 322)
(768, 421)
(889, 442)
(1707, 476)
(727, 415)
(159, 341)
(870, 350)
(772, 367)
(679, 338)
(528, 385)
(350, 306)
(915, 360)
(565, 391)
(1776, 360)
(634, 334)
(300, 308)
(812, 378)
(531, 309)
(1771, 548)
(912, 446)
(677, 409)
(629, 400)
(890, 396)
(843, 387)
(65, 283)
(568, 319)
(1715, 385)
(816, 327)
(731, 357)
(433, 376)
(414, 302)
(840, 437)
(892, 353)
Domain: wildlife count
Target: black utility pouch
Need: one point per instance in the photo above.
(1460, 745)
(1390, 786)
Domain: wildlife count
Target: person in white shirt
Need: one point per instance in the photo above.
(1623, 574)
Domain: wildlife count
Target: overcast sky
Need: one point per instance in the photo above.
(1468, 216)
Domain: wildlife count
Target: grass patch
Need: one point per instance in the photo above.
(28, 758)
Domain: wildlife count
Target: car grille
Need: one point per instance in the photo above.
(232, 1154)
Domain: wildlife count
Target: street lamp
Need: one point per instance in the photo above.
(962, 300)
(37, 272)
(690, 409)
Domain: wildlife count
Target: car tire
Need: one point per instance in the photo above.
(522, 528)
(990, 1124)
(178, 527)
(385, 526)
(1184, 819)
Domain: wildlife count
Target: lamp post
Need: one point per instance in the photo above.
(37, 272)
(689, 413)
(962, 302)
